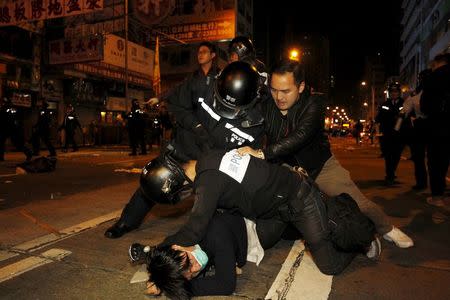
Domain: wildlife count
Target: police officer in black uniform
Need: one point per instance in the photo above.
(391, 141)
(11, 126)
(42, 130)
(226, 119)
(70, 124)
(136, 128)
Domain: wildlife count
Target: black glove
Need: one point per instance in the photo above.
(202, 138)
(138, 252)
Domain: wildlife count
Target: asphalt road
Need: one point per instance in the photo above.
(52, 244)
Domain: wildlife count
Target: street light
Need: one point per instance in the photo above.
(294, 54)
(363, 83)
(365, 104)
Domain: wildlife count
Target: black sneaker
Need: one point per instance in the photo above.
(138, 252)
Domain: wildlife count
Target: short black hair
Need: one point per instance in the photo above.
(209, 45)
(165, 267)
(442, 57)
(289, 66)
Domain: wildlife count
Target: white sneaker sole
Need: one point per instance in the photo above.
(399, 244)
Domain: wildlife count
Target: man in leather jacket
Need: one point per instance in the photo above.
(295, 133)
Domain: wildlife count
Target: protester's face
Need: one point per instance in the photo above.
(285, 91)
(233, 57)
(204, 55)
(194, 267)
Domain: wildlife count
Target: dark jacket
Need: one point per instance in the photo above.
(262, 190)
(435, 100)
(221, 133)
(44, 120)
(225, 244)
(70, 122)
(298, 138)
(387, 116)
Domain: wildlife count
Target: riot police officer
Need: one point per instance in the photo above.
(226, 118)
(41, 130)
(11, 126)
(70, 124)
(136, 128)
(391, 142)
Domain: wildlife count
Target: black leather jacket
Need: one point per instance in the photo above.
(298, 138)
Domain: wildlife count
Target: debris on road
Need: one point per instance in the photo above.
(133, 170)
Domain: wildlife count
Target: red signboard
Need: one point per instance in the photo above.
(13, 12)
(76, 50)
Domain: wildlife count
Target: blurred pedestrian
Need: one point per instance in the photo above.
(417, 142)
(391, 142)
(371, 131)
(41, 130)
(70, 125)
(435, 102)
(11, 125)
(357, 130)
(136, 128)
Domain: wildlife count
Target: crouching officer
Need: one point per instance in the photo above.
(256, 190)
(227, 118)
(42, 130)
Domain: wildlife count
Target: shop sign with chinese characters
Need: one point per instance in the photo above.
(16, 11)
(190, 21)
(140, 59)
(76, 50)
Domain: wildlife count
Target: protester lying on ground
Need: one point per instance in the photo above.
(255, 189)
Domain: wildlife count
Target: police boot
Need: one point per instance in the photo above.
(117, 230)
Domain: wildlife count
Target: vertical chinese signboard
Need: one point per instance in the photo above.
(140, 59)
(16, 11)
(190, 21)
(76, 50)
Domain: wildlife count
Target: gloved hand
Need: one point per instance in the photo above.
(138, 252)
(202, 138)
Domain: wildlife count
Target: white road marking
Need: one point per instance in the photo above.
(31, 263)
(9, 175)
(45, 240)
(4, 255)
(124, 161)
(299, 278)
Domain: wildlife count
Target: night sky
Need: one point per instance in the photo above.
(355, 29)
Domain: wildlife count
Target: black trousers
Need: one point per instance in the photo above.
(393, 146)
(418, 145)
(43, 135)
(136, 209)
(308, 215)
(16, 138)
(438, 161)
(137, 137)
(70, 139)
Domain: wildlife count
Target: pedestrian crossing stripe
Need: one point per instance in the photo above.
(30, 263)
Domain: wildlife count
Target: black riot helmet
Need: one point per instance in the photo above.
(243, 47)
(394, 86)
(236, 90)
(162, 179)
